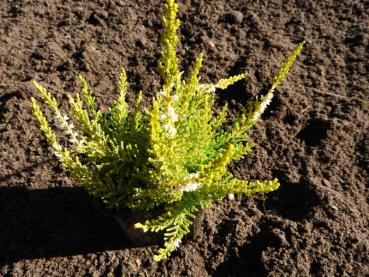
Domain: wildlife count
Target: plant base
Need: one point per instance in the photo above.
(127, 219)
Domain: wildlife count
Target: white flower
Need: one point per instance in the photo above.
(163, 116)
(173, 115)
(173, 131)
(62, 122)
(166, 127)
(192, 186)
(265, 103)
(61, 126)
(177, 242)
(192, 176)
(189, 187)
(74, 140)
(231, 196)
(162, 93)
(175, 98)
(171, 111)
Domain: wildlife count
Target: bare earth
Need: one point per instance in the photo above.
(314, 137)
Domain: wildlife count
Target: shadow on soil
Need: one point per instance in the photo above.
(53, 222)
(293, 201)
(249, 259)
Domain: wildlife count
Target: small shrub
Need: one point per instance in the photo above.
(171, 156)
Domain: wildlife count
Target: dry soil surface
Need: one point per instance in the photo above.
(314, 137)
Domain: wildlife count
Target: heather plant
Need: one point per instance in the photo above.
(171, 156)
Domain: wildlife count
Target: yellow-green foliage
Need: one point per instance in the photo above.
(173, 155)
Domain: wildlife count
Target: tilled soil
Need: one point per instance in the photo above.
(314, 137)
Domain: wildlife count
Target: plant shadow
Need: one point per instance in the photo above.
(53, 222)
(249, 260)
(293, 201)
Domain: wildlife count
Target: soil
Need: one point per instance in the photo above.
(314, 137)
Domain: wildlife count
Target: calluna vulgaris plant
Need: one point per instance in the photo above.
(173, 156)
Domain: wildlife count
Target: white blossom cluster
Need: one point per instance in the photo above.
(63, 123)
(265, 101)
(190, 186)
(68, 128)
(170, 117)
(177, 242)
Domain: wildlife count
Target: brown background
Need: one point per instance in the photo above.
(314, 137)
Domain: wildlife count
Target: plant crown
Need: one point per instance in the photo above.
(173, 156)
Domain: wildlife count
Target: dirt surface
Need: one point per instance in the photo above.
(314, 137)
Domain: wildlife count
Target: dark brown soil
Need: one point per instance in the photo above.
(314, 137)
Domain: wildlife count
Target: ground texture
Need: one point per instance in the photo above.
(314, 137)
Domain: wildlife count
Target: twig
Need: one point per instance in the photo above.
(328, 93)
(336, 95)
